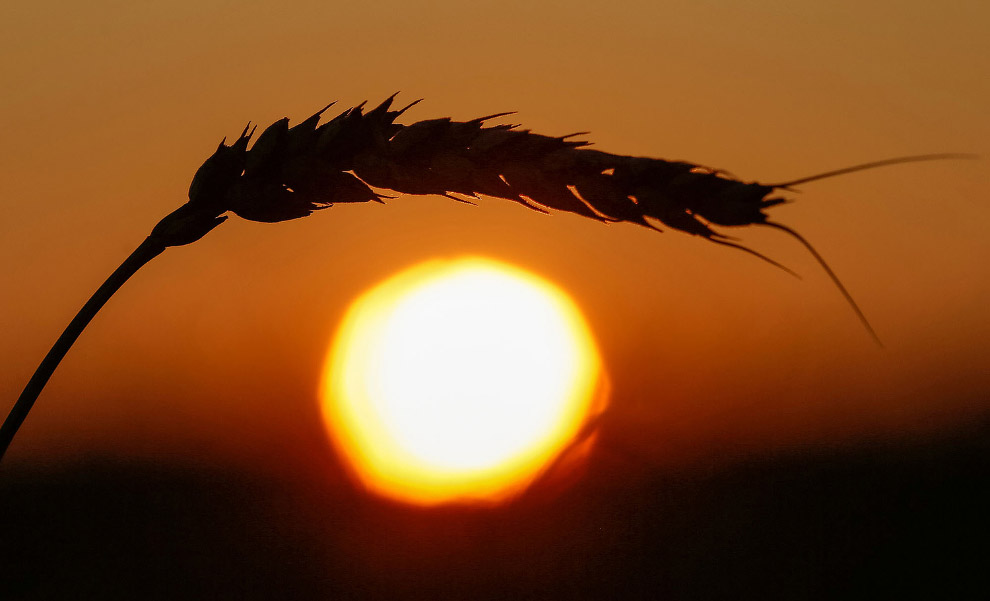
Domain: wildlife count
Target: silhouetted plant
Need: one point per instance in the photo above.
(290, 172)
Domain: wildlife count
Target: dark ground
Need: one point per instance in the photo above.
(885, 519)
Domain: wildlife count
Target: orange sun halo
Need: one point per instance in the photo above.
(459, 381)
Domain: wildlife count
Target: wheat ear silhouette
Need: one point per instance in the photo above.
(290, 172)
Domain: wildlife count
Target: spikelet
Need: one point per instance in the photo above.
(290, 172)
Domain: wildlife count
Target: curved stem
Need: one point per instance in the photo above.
(146, 251)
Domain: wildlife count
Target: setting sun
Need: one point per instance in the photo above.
(458, 381)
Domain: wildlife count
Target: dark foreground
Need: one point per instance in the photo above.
(884, 520)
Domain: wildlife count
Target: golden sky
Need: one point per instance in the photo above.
(214, 350)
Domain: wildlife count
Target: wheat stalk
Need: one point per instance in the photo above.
(290, 172)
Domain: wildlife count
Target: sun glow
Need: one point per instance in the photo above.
(459, 381)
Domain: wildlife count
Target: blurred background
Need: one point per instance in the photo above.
(758, 443)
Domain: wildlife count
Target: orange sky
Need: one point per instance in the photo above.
(213, 350)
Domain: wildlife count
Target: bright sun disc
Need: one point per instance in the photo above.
(458, 381)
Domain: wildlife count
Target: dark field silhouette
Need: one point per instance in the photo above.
(886, 518)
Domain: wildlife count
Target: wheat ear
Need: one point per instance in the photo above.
(290, 172)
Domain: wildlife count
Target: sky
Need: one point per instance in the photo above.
(211, 355)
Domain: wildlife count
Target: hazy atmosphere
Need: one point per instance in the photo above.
(194, 393)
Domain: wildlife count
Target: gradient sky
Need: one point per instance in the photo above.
(213, 352)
